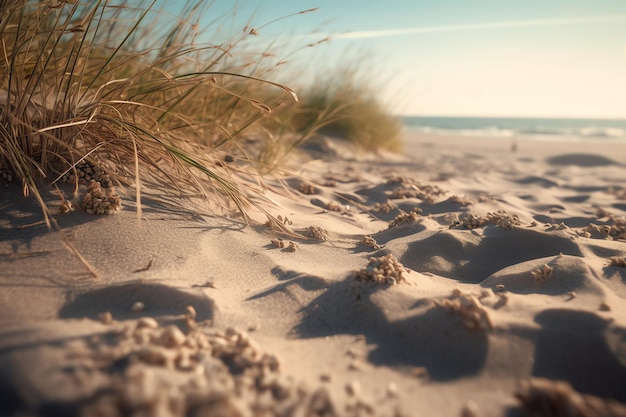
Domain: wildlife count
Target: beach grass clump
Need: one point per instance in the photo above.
(345, 105)
(129, 93)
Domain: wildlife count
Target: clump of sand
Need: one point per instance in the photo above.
(385, 269)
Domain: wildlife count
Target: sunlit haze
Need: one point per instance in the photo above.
(537, 58)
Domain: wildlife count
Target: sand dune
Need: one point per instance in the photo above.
(511, 301)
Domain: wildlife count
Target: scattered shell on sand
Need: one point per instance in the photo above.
(279, 243)
(307, 188)
(385, 207)
(66, 206)
(292, 247)
(98, 202)
(617, 261)
(472, 313)
(461, 200)
(504, 219)
(615, 230)
(499, 218)
(543, 274)
(334, 206)
(382, 270)
(404, 217)
(317, 232)
(427, 193)
(546, 398)
(370, 242)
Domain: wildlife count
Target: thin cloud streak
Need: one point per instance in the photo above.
(477, 26)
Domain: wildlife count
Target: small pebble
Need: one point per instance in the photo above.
(353, 388)
(106, 317)
(137, 307)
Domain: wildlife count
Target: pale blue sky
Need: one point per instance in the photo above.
(539, 58)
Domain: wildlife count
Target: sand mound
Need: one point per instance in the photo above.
(427, 284)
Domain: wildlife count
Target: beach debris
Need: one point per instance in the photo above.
(6, 177)
(86, 172)
(571, 295)
(105, 317)
(279, 243)
(292, 247)
(500, 287)
(334, 206)
(284, 220)
(499, 218)
(533, 224)
(617, 261)
(547, 398)
(471, 221)
(553, 226)
(212, 372)
(317, 232)
(307, 188)
(605, 307)
(427, 193)
(385, 269)
(615, 230)
(66, 206)
(394, 179)
(472, 313)
(405, 217)
(98, 202)
(461, 200)
(542, 274)
(503, 219)
(137, 307)
(145, 268)
(370, 242)
(385, 207)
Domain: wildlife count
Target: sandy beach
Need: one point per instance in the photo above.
(464, 277)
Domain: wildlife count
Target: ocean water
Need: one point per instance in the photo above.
(601, 130)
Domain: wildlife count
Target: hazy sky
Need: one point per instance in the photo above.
(544, 58)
